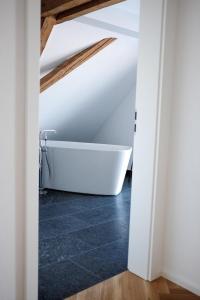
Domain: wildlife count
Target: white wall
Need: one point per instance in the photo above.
(15, 90)
(79, 104)
(182, 239)
(7, 153)
(118, 129)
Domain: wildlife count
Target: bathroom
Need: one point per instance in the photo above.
(87, 127)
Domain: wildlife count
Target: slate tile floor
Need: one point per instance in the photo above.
(83, 240)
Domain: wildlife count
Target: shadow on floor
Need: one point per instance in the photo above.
(83, 240)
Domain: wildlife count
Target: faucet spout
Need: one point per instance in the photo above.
(44, 133)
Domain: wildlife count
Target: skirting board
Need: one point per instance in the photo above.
(182, 282)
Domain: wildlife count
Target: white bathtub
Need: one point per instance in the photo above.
(86, 168)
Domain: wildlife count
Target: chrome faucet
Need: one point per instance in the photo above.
(43, 156)
(44, 133)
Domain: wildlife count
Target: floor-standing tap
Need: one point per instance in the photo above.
(43, 156)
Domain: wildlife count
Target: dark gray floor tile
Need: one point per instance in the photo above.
(57, 210)
(75, 226)
(60, 226)
(102, 234)
(105, 213)
(125, 196)
(59, 249)
(58, 281)
(54, 196)
(105, 261)
(74, 199)
(93, 202)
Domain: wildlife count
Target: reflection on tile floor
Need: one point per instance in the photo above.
(83, 240)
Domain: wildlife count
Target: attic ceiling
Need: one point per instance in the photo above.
(72, 63)
(100, 85)
(57, 11)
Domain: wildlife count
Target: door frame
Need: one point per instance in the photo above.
(153, 94)
(145, 257)
(32, 91)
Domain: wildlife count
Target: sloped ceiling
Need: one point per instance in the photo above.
(78, 105)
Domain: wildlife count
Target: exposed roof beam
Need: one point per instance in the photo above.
(46, 28)
(53, 7)
(72, 63)
(83, 9)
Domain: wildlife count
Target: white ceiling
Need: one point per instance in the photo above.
(124, 15)
(133, 6)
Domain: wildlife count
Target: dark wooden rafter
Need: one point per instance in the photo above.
(58, 11)
(42, 22)
(46, 28)
(72, 63)
(64, 10)
(53, 7)
(83, 9)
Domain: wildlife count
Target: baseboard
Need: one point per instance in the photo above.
(182, 282)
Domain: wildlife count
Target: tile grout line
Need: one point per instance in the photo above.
(70, 257)
(85, 269)
(89, 226)
(72, 214)
(96, 248)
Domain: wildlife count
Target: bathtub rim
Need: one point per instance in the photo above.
(87, 146)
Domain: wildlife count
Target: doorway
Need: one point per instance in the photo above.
(140, 267)
(143, 234)
(84, 226)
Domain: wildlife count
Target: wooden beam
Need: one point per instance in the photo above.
(72, 63)
(42, 22)
(46, 28)
(83, 9)
(53, 7)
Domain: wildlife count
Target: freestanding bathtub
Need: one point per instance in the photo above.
(86, 167)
